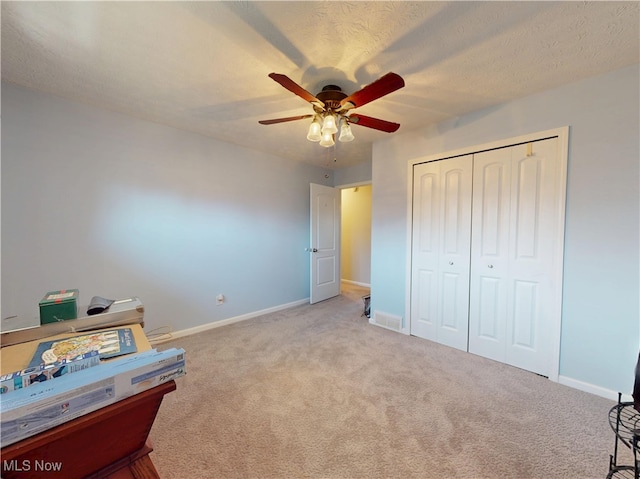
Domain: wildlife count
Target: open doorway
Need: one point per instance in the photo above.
(356, 240)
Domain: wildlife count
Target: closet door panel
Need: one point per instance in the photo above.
(526, 299)
(490, 253)
(492, 187)
(526, 213)
(453, 311)
(425, 250)
(450, 317)
(515, 233)
(489, 312)
(440, 251)
(536, 194)
(425, 317)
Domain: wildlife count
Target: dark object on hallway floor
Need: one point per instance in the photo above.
(367, 305)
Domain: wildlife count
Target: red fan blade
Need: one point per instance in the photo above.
(293, 87)
(374, 123)
(379, 88)
(282, 120)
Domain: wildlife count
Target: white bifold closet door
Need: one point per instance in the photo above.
(486, 253)
(514, 254)
(440, 251)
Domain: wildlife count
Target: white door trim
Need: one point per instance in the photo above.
(562, 134)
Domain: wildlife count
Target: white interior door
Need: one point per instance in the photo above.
(441, 251)
(514, 288)
(325, 242)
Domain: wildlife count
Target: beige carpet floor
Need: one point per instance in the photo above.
(318, 392)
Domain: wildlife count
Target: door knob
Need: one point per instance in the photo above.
(314, 250)
(490, 266)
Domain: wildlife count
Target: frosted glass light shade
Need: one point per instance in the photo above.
(329, 125)
(314, 130)
(327, 140)
(345, 132)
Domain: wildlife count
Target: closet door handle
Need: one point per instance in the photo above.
(450, 263)
(490, 266)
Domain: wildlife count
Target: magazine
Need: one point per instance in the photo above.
(109, 344)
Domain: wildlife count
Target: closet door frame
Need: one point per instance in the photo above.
(563, 149)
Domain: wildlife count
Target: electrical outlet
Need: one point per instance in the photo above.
(220, 299)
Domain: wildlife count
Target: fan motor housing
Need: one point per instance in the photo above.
(331, 95)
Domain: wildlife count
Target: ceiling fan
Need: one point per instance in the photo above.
(332, 108)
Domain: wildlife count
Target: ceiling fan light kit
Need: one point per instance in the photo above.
(327, 140)
(324, 131)
(329, 124)
(345, 131)
(332, 106)
(315, 130)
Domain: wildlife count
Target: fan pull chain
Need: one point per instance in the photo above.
(328, 152)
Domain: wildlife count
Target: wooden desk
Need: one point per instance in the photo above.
(110, 443)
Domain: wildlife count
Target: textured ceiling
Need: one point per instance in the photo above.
(203, 66)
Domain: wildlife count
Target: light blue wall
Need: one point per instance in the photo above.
(601, 318)
(350, 175)
(118, 207)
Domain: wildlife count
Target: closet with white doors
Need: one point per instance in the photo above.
(486, 252)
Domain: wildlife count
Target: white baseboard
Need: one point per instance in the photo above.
(593, 389)
(225, 322)
(387, 321)
(356, 283)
